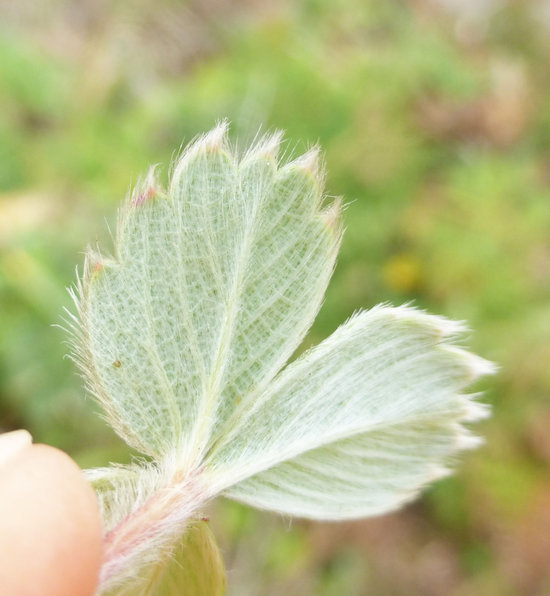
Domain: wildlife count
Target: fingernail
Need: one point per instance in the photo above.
(12, 443)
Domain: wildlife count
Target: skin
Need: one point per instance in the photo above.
(50, 528)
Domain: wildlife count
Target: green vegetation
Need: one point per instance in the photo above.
(436, 128)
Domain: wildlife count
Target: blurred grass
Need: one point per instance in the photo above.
(436, 126)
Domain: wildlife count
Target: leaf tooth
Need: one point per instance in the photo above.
(94, 264)
(331, 216)
(214, 139)
(447, 328)
(475, 366)
(148, 189)
(465, 440)
(307, 174)
(212, 142)
(474, 411)
(266, 148)
(310, 163)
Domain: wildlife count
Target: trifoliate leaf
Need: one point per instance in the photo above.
(182, 335)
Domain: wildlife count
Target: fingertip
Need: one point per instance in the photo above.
(12, 443)
(50, 527)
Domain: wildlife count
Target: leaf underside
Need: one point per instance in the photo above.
(359, 424)
(183, 335)
(212, 287)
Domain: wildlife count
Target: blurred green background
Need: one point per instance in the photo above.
(435, 120)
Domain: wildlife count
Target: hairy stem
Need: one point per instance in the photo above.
(130, 546)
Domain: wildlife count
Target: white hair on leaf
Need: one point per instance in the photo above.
(183, 337)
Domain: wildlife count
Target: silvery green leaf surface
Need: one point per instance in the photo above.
(359, 424)
(183, 334)
(212, 286)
